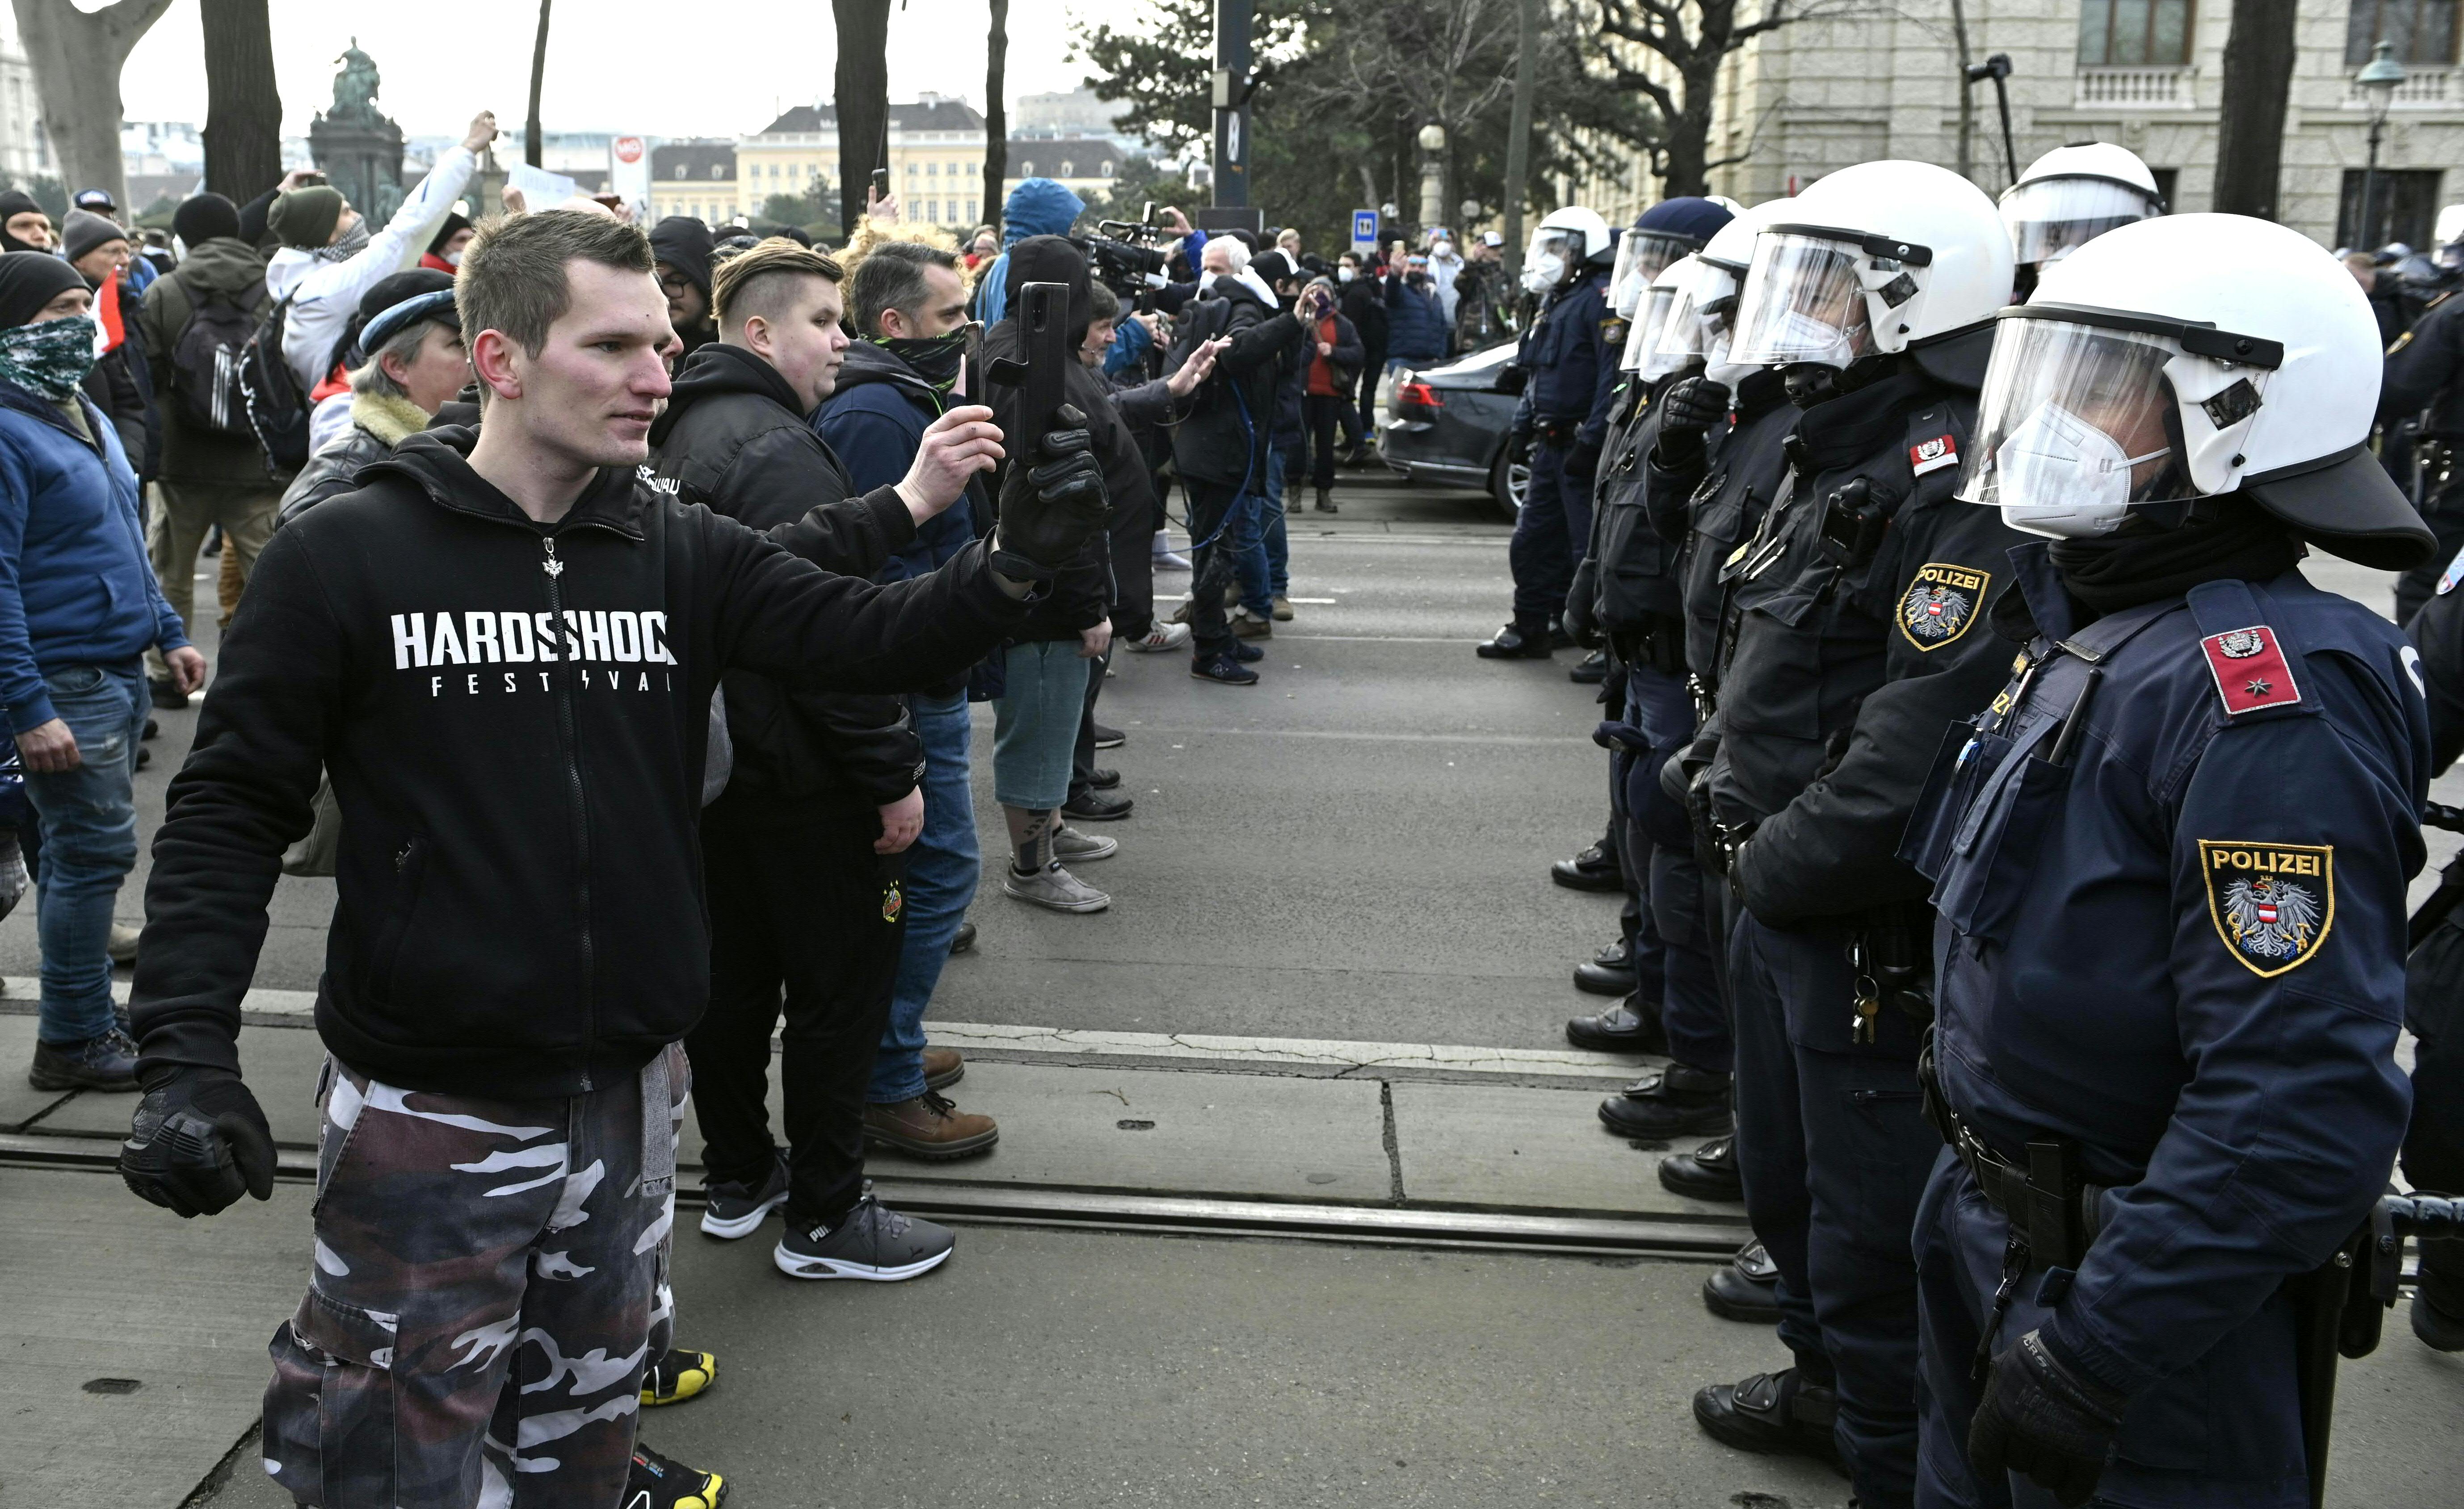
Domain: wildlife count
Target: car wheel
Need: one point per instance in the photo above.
(1510, 479)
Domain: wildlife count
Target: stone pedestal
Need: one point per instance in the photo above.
(363, 160)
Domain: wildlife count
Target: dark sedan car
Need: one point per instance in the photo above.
(1447, 423)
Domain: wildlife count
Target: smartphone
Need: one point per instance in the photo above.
(307, 179)
(1044, 320)
(971, 365)
(880, 184)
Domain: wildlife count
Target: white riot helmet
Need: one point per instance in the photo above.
(2071, 195)
(1871, 260)
(1674, 341)
(1725, 261)
(1567, 239)
(2137, 377)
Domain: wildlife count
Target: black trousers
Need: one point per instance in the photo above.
(799, 901)
(1371, 369)
(1081, 759)
(1324, 414)
(1210, 507)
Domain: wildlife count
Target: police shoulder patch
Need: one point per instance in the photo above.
(1941, 603)
(2454, 573)
(2272, 903)
(2250, 670)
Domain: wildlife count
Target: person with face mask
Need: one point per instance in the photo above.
(1362, 299)
(24, 225)
(2170, 860)
(444, 252)
(78, 611)
(331, 257)
(1445, 265)
(1854, 637)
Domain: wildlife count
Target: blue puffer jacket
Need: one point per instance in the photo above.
(1038, 206)
(75, 585)
(1415, 325)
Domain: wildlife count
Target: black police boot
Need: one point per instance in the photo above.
(1610, 972)
(1590, 671)
(1596, 868)
(1677, 1100)
(1516, 642)
(1779, 1412)
(1622, 1028)
(1745, 1289)
(1560, 637)
(2438, 1305)
(1710, 1172)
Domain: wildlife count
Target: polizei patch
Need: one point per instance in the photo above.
(1932, 455)
(2273, 903)
(2250, 668)
(1941, 603)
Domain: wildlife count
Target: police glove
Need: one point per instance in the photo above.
(198, 1141)
(1686, 411)
(1050, 508)
(2045, 1421)
(1583, 458)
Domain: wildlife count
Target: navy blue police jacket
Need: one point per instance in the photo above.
(1713, 502)
(1571, 360)
(2183, 946)
(1628, 561)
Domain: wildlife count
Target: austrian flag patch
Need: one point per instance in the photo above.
(1932, 455)
(2250, 670)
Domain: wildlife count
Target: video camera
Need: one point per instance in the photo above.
(1129, 256)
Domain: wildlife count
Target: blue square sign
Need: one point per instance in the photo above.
(1364, 231)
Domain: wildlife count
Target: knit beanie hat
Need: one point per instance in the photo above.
(86, 231)
(306, 217)
(204, 217)
(30, 280)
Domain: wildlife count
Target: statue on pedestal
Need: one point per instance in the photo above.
(357, 148)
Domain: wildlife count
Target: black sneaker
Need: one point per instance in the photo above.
(870, 1241)
(1109, 738)
(678, 1377)
(108, 1063)
(1246, 653)
(963, 939)
(662, 1482)
(1771, 1413)
(1097, 806)
(1103, 779)
(737, 1210)
(1223, 669)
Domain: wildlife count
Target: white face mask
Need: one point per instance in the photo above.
(2072, 478)
(1441, 249)
(1816, 340)
(1343, 274)
(1542, 272)
(453, 258)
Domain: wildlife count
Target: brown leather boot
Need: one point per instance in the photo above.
(943, 1068)
(929, 1127)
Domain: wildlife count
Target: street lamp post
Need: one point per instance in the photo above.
(2378, 81)
(1433, 175)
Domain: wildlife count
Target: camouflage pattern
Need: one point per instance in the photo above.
(490, 1280)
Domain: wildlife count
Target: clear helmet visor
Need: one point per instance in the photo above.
(1643, 334)
(1700, 309)
(2076, 424)
(1803, 301)
(2054, 217)
(1552, 251)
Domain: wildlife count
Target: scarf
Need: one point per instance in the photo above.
(934, 358)
(51, 358)
(2124, 570)
(354, 242)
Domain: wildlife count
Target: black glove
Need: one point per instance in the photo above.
(1686, 410)
(1582, 603)
(1583, 459)
(1049, 510)
(198, 1140)
(2045, 1421)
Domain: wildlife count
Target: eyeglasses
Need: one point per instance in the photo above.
(674, 284)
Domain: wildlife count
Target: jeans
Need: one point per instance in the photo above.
(1043, 702)
(88, 817)
(1261, 546)
(943, 867)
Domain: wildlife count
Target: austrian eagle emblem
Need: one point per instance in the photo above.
(1940, 604)
(2273, 903)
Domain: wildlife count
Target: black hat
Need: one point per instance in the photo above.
(2346, 505)
(455, 225)
(98, 200)
(30, 280)
(684, 243)
(203, 218)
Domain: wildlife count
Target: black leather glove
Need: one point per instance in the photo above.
(1583, 459)
(198, 1140)
(1582, 603)
(1050, 508)
(2044, 1420)
(1686, 410)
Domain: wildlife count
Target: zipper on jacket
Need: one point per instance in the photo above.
(570, 725)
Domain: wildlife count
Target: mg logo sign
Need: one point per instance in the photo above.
(629, 149)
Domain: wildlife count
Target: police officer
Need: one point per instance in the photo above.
(2420, 400)
(2170, 863)
(2069, 197)
(1854, 642)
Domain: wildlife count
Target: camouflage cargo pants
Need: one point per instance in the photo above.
(491, 1277)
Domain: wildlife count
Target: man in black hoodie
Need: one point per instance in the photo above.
(503, 648)
(683, 247)
(805, 852)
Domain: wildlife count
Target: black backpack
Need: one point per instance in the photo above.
(277, 412)
(206, 355)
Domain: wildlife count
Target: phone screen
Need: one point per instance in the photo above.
(881, 183)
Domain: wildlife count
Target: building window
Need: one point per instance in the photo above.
(2404, 207)
(1069, 170)
(718, 170)
(2137, 34)
(971, 210)
(1104, 168)
(681, 170)
(933, 168)
(2422, 30)
(1026, 170)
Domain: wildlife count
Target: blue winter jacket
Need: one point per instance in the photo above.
(1038, 206)
(75, 585)
(1416, 323)
(876, 419)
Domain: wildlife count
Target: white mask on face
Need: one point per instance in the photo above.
(1343, 274)
(2072, 479)
(1542, 272)
(1816, 340)
(453, 258)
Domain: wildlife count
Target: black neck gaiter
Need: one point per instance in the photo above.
(2122, 571)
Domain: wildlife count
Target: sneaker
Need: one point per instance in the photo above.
(1161, 637)
(1225, 668)
(1247, 626)
(1098, 806)
(678, 1377)
(13, 879)
(1183, 613)
(870, 1241)
(1054, 888)
(1102, 779)
(108, 1063)
(731, 1210)
(1171, 561)
(662, 1482)
(123, 946)
(943, 1068)
(1249, 654)
(1069, 846)
(1109, 738)
(963, 939)
(928, 1127)
(1280, 608)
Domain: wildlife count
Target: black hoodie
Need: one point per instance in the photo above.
(1082, 594)
(514, 717)
(730, 438)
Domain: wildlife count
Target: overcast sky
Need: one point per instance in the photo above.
(675, 68)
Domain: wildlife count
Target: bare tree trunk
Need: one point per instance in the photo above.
(77, 56)
(1967, 98)
(243, 106)
(863, 99)
(2250, 130)
(1518, 142)
(996, 111)
(531, 133)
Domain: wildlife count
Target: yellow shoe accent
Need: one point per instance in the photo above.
(713, 1494)
(687, 1378)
